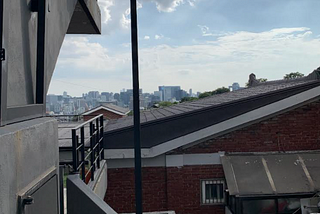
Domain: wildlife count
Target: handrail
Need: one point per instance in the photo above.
(88, 159)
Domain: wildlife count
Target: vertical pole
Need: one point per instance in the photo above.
(97, 144)
(74, 150)
(101, 137)
(40, 72)
(92, 150)
(83, 167)
(61, 174)
(136, 106)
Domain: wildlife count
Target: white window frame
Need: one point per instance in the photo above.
(203, 184)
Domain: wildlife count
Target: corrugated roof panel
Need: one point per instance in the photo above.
(269, 174)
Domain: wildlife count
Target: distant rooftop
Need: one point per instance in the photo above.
(255, 89)
(110, 107)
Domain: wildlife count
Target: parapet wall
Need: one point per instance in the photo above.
(28, 150)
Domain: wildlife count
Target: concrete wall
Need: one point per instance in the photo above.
(99, 185)
(81, 200)
(27, 150)
(20, 42)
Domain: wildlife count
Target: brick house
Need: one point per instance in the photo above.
(250, 151)
(109, 112)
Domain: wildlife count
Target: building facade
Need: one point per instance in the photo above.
(203, 171)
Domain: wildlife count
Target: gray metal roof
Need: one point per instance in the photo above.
(64, 134)
(215, 100)
(269, 174)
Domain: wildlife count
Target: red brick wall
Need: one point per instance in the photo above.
(295, 130)
(173, 188)
(183, 185)
(178, 189)
(106, 114)
(120, 193)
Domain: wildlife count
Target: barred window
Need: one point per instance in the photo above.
(212, 191)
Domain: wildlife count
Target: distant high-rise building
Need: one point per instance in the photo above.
(169, 92)
(190, 92)
(180, 94)
(235, 86)
(65, 94)
(158, 94)
(93, 94)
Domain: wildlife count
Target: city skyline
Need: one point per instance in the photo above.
(218, 42)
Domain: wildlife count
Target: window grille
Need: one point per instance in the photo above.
(213, 191)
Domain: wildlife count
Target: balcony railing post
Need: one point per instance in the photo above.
(97, 143)
(101, 137)
(92, 155)
(92, 150)
(74, 150)
(83, 167)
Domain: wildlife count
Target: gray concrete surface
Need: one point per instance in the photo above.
(20, 42)
(27, 150)
(78, 193)
(99, 185)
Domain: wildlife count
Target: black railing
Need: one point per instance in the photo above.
(87, 148)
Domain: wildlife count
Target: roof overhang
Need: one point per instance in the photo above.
(218, 129)
(86, 18)
(272, 174)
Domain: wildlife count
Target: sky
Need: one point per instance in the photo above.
(198, 44)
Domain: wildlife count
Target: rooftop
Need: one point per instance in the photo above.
(255, 90)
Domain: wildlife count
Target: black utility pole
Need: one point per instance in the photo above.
(136, 106)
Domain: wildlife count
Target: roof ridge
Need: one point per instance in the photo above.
(314, 75)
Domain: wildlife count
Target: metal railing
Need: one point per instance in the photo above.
(88, 151)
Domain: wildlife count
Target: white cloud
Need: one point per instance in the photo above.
(167, 5)
(157, 37)
(205, 30)
(229, 58)
(146, 37)
(192, 2)
(116, 13)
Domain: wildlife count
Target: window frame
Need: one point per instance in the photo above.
(202, 200)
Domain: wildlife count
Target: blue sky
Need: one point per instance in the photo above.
(198, 44)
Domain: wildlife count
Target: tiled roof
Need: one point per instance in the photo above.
(215, 100)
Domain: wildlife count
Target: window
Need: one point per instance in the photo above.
(212, 191)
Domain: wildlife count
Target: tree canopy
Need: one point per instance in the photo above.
(293, 75)
(217, 91)
(186, 99)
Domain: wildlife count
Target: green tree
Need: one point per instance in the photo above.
(165, 104)
(217, 91)
(220, 90)
(205, 94)
(293, 75)
(186, 99)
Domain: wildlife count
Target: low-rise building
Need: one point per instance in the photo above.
(253, 150)
(109, 111)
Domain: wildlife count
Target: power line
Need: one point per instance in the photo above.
(70, 83)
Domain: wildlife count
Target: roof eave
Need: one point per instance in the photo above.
(86, 18)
